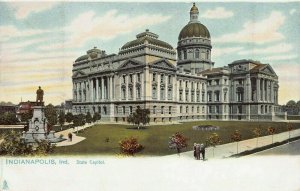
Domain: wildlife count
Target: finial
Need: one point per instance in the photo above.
(147, 30)
(95, 47)
(194, 4)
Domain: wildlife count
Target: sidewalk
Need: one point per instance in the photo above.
(226, 150)
(75, 139)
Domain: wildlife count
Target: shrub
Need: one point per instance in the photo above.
(130, 146)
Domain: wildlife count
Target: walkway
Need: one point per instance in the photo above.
(75, 139)
(226, 150)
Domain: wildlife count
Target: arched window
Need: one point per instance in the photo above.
(207, 54)
(184, 54)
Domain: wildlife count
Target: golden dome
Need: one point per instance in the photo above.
(194, 30)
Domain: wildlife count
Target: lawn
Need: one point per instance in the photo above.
(155, 138)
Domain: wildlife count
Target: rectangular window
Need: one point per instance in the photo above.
(154, 109)
(138, 77)
(124, 111)
(153, 77)
(169, 79)
(124, 79)
(180, 109)
(162, 78)
(162, 109)
(130, 109)
(217, 82)
(170, 109)
(130, 77)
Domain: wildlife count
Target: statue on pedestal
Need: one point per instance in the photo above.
(39, 96)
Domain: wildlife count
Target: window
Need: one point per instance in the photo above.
(117, 112)
(198, 109)
(209, 82)
(162, 93)
(162, 109)
(209, 97)
(187, 109)
(99, 109)
(123, 93)
(180, 109)
(192, 85)
(138, 92)
(105, 110)
(207, 55)
(192, 109)
(130, 77)
(169, 79)
(124, 79)
(193, 96)
(203, 109)
(169, 94)
(217, 109)
(198, 97)
(225, 81)
(210, 109)
(130, 109)
(217, 82)
(162, 78)
(240, 82)
(154, 109)
(197, 54)
(187, 96)
(170, 109)
(130, 93)
(197, 85)
(154, 92)
(203, 97)
(186, 84)
(184, 54)
(180, 84)
(124, 110)
(153, 77)
(180, 96)
(138, 77)
(217, 96)
(225, 96)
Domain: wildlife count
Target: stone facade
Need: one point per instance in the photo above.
(146, 73)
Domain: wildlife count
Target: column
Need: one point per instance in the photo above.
(263, 89)
(126, 79)
(272, 92)
(234, 92)
(102, 88)
(97, 89)
(92, 90)
(258, 89)
(110, 88)
(158, 86)
(183, 91)
(248, 85)
(175, 89)
(142, 85)
(166, 86)
(133, 86)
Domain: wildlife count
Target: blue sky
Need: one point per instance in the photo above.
(40, 41)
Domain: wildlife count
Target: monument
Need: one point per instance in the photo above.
(38, 127)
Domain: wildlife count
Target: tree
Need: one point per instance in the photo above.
(130, 146)
(291, 103)
(140, 116)
(61, 119)
(14, 145)
(271, 131)
(256, 133)
(69, 117)
(26, 116)
(178, 141)
(236, 137)
(88, 117)
(96, 117)
(213, 140)
(78, 120)
(51, 115)
(8, 118)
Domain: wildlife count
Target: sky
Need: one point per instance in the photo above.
(40, 41)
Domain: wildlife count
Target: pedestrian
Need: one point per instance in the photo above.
(70, 137)
(198, 151)
(195, 156)
(202, 150)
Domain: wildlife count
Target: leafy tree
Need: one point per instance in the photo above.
(51, 115)
(291, 103)
(26, 116)
(88, 117)
(14, 145)
(130, 146)
(178, 141)
(69, 117)
(8, 118)
(140, 116)
(213, 140)
(236, 136)
(61, 119)
(256, 133)
(78, 120)
(271, 131)
(96, 117)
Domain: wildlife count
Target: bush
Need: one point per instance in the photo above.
(178, 142)
(130, 146)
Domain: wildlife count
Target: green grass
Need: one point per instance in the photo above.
(155, 138)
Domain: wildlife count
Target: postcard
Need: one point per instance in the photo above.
(143, 95)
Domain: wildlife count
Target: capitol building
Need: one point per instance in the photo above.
(175, 85)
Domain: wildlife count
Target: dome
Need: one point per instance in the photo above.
(194, 9)
(194, 30)
(81, 58)
(147, 37)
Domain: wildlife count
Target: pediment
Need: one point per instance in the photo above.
(164, 64)
(268, 69)
(78, 74)
(131, 63)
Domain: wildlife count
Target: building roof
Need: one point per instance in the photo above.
(150, 37)
(84, 57)
(212, 71)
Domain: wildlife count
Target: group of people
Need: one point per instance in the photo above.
(199, 149)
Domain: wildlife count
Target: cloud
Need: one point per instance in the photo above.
(278, 48)
(292, 11)
(24, 9)
(8, 32)
(281, 57)
(260, 32)
(217, 52)
(217, 13)
(88, 26)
